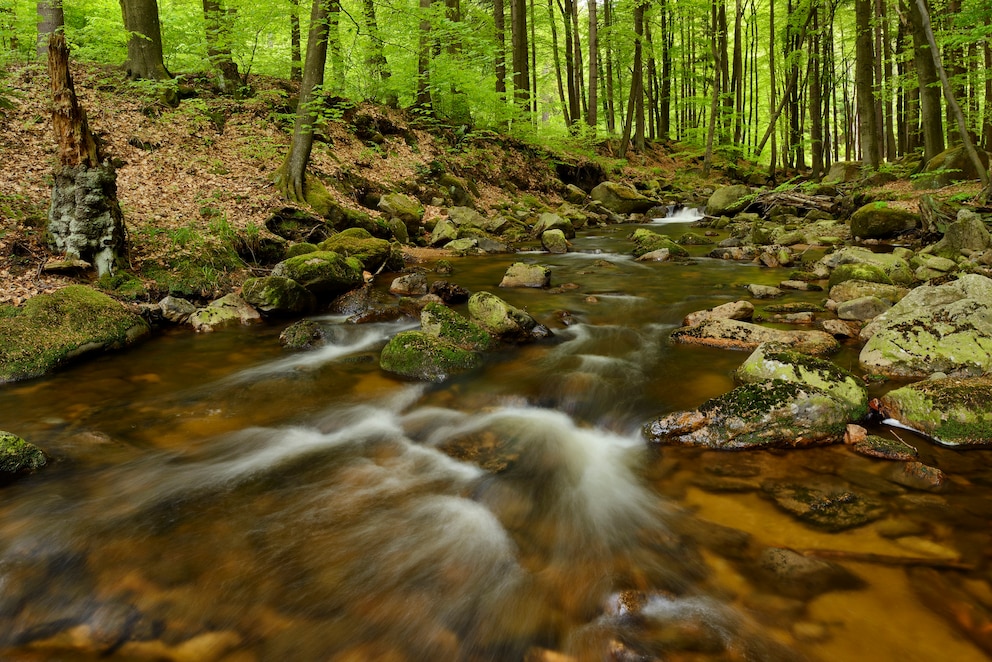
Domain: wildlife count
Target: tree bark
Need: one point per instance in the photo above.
(295, 55)
(377, 57)
(216, 21)
(591, 115)
(52, 19)
(931, 108)
(864, 80)
(557, 56)
(520, 52)
(715, 99)
(574, 107)
(611, 118)
(334, 47)
(815, 102)
(423, 99)
(499, 19)
(636, 94)
(144, 47)
(665, 95)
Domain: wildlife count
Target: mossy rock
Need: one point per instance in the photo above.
(951, 165)
(403, 207)
(503, 320)
(621, 199)
(694, 239)
(646, 241)
(954, 412)
(894, 266)
(277, 295)
(438, 320)
(325, 273)
(17, 455)
(302, 335)
(425, 357)
(728, 200)
(297, 225)
(548, 221)
(862, 272)
(829, 506)
(301, 248)
(359, 243)
(52, 330)
(855, 289)
(554, 241)
(878, 220)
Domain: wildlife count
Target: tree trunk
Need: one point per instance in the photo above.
(574, 107)
(296, 58)
(577, 73)
(557, 56)
(85, 220)
(499, 21)
(52, 19)
(591, 116)
(423, 99)
(987, 115)
(377, 57)
(217, 25)
(715, 99)
(815, 102)
(521, 55)
(334, 47)
(931, 108)
(611, 116)
(665, 96)
(737, 73)
(144, 47)
(864, 80)
(635, 100)
(291, 178)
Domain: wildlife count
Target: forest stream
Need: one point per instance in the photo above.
(218, 498)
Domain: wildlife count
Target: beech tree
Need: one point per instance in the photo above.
(52, 18)
(144, 46)
(216, 21)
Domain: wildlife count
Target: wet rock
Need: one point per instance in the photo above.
(365, 304)
(548, 221)
(554, 241)
(503, 320)
(840, 328)
(422, 356)
(660, 255)
(176, 310)
(465, 246)
(967, 233)
(728, 200)
(918, 476)
(439, 320)
(953, 412)
(229, 310)
(829, 506)
(520, 274)
(735, 310)
(764, 291)
(303, 335)
(770, 361)
(855, 289)
(409, 285)
(449, 292)
(444, 232)
(861, 272)
(793, 575)
(935, 328)
(325, 274)
(18, 455)
(51, 330)
(276, 295)
(885, 449)
(693, 239)
(771, 414)
(403, 207)
(620, 198)
(374, 254)
(799, 286)
(735, 334)
(879, 220)
(646, 241)
(862, 309)
(896, 269)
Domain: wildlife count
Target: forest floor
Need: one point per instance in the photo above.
(193, 179)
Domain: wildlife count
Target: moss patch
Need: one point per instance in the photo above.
(439, 320)
(419, 355)
(17, 455)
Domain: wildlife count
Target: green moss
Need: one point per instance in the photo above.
(646, 241)
(123, 285)
(753, 400)
(301, 248)
(865, 272)
(17, 455)
(438, 320)
(418, 355)
(795, 307)
(358, 243)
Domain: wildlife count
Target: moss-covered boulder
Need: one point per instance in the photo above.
(735, 334)
(229, 310)
(864, 272)
(422, 356)
(728, 200)
(521, 274)
(438, 320)
(843, 171)
(735, 310)
(693, 239)
(17, 455)
(769, 414)
(301, 248)
(967, 233)
(770, 361)
(954, 412)
(646, 241)
(879, 220)
(951, 165)
(896, 268)
(503, 320)
(403, 207)
(324, 273)
(302, 335)
(621, 199)
(51, 330)
(278, 295)
(374, 254)
(855, 289)
(444, 231)
(935, 328)
(554, 241)
(548, 221)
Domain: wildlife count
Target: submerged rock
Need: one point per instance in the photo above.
(51, 330)
(302, 335)
(771, 414)
(520, 274)
(793, 575)
(735, 310)
(734, 334)
(426, 357)
(830, 506)
(935, 328)
(17, 455)
(954, 412)
(503, 320)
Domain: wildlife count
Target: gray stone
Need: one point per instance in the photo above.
(968, 232)
(764, 291)
(325, 274)
(735, 310)
(176, 309)
(646, 241)
(444, 231)
(734, 334)
(862, 309)
(728, 200)
(855, 289)
(503, 320)
(409, 285)
(403, 207)
(951, 165)
(229, 310)
(548, 221)
(554, 241)
(842, 172)
(621, 199)
(879, 220)
(520, 274)
(277, 295)
(660, 255)
(894, 267)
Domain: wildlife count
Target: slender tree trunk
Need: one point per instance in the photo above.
(864, 66)
(577, 73)
(635, 99)
(987, 114)
(334, 46)
(557, 56)
(737, 73)
(591, 117)
(611, 117)
(887, 57)
(715, 99)
(8, 28)
(771, 101)
(533, 62)
(216, 22)
(931, 108)
(574, 107)
(665, 96)
(815, 102)
(51, 18)
(144, 47)
(423, 98)
(377, 57)
(296, 57)
(521, 70)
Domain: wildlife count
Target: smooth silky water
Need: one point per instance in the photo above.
(214, 497)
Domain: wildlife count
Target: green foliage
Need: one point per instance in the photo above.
(190, 263)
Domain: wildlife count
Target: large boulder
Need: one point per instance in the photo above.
(954, 412)
(734, 310)
(646, 241)
(896, 268)
(769, 414)
(935, 328)
(229, 310)
(728, 200)
(770, 361)
(878, 220)
(444, 231)
(17, 455)
(842, 172)
(503, 320)
(855, 289)
(277, 295)
(967, 233)
(735, 334)
(554, 241)
(438, 320)
(548, 221)
(951, 165)
(621, 199)
(51, 330)
(426, 357)
(521, 274)
(405, 208)
(325, 273)
(374, 254)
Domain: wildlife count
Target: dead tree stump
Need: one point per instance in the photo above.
(85, 220)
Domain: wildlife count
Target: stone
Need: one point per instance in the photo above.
(879, 220)
(660, 255)
(450, 293)
(831, 506)
(842, 172)
(967, 233)
(953, 412)
(793, 575)
(840, 328)
(735, 334)
(621, 199)
(646, 241)
(229, 310)
(554, 241)
(894, 267)
(54, 329)
(770, 361)
(277, 295)
(862, 272)
(325, 274)
(374, 254)
(464, 246)
(693, 239)
(935, 328)
(18, 455)
(365, 304)
(768, 414)
(855, 289)
(444, 231)
(764, 291)
(735, 310)
(175, 309)
(422, 356)
(405, 208)
(409, 285)
(548, 221)
(302, 335)
(862, 309)
(574, 194)
(438, 320)
(297, 225)
(520, 274)
(884, 449)
(951, 165)
(503, 320)
(918, 476)
(301, 248)
(728, 200)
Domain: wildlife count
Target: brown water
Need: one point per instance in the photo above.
(215, 498)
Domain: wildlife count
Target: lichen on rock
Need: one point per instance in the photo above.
(422, 356)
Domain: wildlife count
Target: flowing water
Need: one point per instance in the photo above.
(215, 498)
